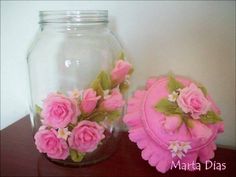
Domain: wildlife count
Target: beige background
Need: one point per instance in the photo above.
(192, 38)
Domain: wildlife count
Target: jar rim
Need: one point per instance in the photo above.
(73, 16)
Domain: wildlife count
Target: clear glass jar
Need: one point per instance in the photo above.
(78, 76)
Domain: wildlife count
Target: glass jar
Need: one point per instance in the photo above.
(78, 77)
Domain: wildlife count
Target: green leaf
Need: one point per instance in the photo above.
(167, 107)
(187, 120)
(102, 82)
(38, 109)
(70, 126)
(76, 156)
(124, 86)
(97, 116)
(203, 89)
(173, 84)
(210, 118)
(105, 80)
(96, 85)
(114, 115)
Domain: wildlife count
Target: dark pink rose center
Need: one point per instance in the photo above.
(51, 143)
(59, 111)
(195, 103)
(87, 137)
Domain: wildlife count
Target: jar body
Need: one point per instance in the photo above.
(77, 92)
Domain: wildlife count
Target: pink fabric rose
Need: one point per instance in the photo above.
(120, 71)
(86, 136)
(113, 101)
(89, 100)
(59, 111)
(47, 142)
(192, 100)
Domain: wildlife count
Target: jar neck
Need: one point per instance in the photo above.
(73, 27)
(74, 20)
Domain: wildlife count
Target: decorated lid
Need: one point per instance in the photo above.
(173, 119)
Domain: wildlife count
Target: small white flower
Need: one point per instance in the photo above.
(185, 146)
(127, 82)
(179, 154)
(63, 133)
(173, 96)
(179, 149)
(179, 90)
(174, 146)
(75, 93)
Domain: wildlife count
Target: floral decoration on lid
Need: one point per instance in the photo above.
(173, 119)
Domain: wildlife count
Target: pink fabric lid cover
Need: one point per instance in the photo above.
(163, 137)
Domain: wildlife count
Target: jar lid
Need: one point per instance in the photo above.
(173, 119)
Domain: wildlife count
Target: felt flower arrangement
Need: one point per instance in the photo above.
(190, 105)
(172, 120)
(73, 123)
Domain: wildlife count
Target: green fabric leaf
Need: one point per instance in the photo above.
(203, 89)
(38, 109)
(187, 120)
(97, 116)
(173, 84)
(210, 118)
(76, 156)
(96, 85)
(167, 107)
(70, 126)
(105, 80)
(102, 82)
(114, 115)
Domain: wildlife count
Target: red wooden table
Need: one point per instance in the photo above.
(19, 157)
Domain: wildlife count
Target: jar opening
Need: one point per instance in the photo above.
(74, 16)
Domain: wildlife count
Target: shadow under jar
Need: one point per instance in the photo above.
(78, 78)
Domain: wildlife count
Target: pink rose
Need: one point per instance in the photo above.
(86, 136)
(120, 71)
(47, 142)
(59, 111)
(192, 100)
(89, 100)
(113, 101)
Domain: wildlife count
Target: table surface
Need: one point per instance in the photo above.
(19, 157)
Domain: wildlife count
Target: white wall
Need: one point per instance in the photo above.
(192, 38)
